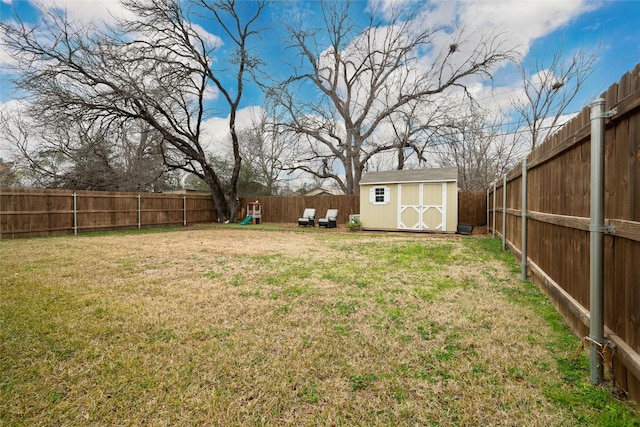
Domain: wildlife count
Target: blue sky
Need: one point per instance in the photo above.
(613, 29)
(537, 27)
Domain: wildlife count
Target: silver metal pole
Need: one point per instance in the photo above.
(139, 213)
(504, 212)
(525, 215)
(596, 228)
(75, 214)
(184, 210)
(494, 208)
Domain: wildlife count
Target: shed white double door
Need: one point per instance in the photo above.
(422, 206)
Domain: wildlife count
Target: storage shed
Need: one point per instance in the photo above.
(412, 200)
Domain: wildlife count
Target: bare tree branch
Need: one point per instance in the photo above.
(366, 78)
(549, 89)
(155, 69)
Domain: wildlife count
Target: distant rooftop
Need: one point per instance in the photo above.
(319, 191)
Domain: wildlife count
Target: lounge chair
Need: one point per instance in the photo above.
(308, 218)
(330, 219)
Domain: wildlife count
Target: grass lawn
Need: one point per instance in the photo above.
(231, 326)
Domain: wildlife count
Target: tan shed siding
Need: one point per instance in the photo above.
(409, 201)
(378, 216)
(432, 193)
(452, 206)
(432, 219)
(410, 194)
(433, 206)
(420, 200)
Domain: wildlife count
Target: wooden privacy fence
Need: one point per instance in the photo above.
(39, 212)
(287, 209)
(472, 207)
(36, 212)
(558, 223)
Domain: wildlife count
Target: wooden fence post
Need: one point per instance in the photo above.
(139, 213)
(75, 214)
(525, 214)
(487, 211)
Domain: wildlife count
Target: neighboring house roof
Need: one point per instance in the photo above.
(410, 175)
(319, 191)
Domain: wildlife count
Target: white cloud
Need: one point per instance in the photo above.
(211, 41)
(8, 110)
(87, 11)
(14, 105)
(6, 58)
(82, 11)
(215, 130)
(523, 21)
(211, 93)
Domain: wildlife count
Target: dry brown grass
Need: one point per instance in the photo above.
(230, 326)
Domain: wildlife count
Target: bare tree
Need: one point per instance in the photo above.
(477, 146)
(16, 132)
(483, 147)
(364, 79)
(417, 131)
(266, 151)
(9, 173)
(549, 88)
(73, 154)
(156, 68)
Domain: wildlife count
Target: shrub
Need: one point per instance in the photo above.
(354, 223)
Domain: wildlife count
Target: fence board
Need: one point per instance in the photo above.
(559, 219)
(36, 212)
(634, 167)
(472, 207)
(287, 209)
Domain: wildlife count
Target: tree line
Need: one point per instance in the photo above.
(125, 106)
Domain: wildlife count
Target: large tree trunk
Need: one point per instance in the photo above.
(237, 163)
(218, 196)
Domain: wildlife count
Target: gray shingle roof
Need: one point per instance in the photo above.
(410, 175)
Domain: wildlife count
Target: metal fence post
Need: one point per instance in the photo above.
(494, 208)
(184, 210)
(525, 214)
(596, 255)
(504, 212)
